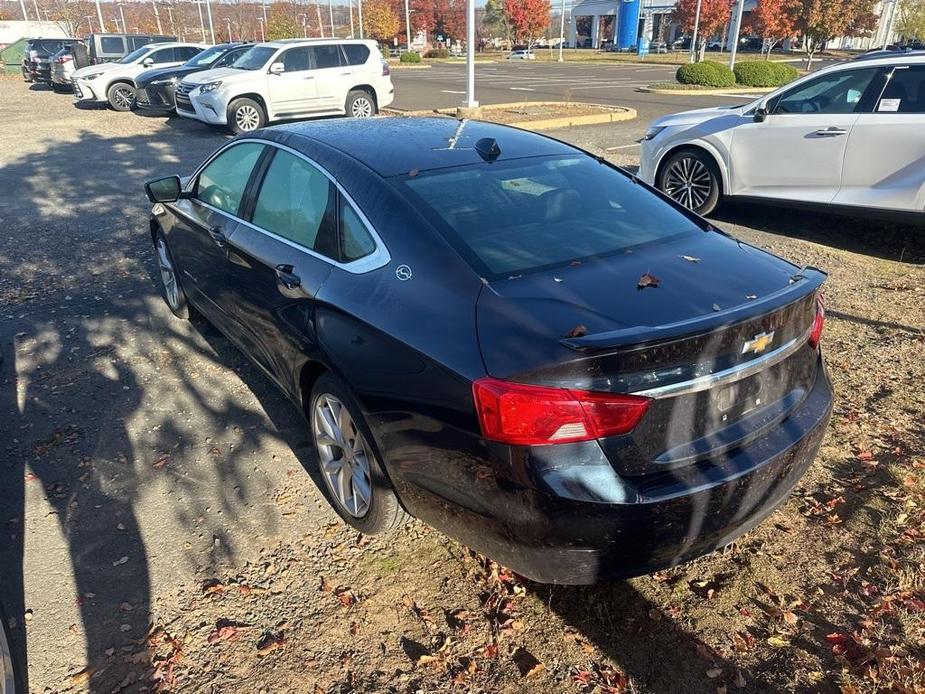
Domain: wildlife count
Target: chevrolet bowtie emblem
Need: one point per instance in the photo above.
(759, 343)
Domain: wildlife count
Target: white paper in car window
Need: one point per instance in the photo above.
(889, 105)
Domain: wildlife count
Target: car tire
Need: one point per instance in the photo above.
(348, 462)
(171, 287)
(10, 669)
(59, 88)
(692, 179)
(121, 96)
(245, 115)
(360, 104)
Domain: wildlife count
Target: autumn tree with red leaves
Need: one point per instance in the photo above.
(775, 21)
(528, 18)
(820, 21)
(713, 17)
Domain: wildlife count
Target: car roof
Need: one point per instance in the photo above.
(279, 43)
(393, 146)
(889, 58)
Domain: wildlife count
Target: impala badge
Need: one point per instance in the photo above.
(759, 343)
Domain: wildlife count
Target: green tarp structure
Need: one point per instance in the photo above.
(11, 57)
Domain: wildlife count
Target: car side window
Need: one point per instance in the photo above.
(325, 56)
(112, 44)
(229, 58)
(833, 93)
(355, 239)
(184, 53)
(296, 201)
(357, 53)
(221, 184)
(295, 59)
(164, 55)
(904, 92)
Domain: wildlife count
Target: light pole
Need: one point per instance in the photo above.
(889, 24)
(470, 56)
(263, 6)
(157, 17)
(38, 16)
(360, 15)
(202, 24)
(407, 25)
(350, 2)
(331, 16)
(25, 17)
(99, 16)
(263, 35)
(562, 30)
(116, 20)
(694, 37)
(228, 25)
(122, 16)
(735, 37)
(320, 24)
(173, 29)
(304, 19)
(90, 22)
(211, 26)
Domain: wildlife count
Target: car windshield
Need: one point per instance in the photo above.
(207, 57)
(530, 214)
(254, 59)
(134, 55)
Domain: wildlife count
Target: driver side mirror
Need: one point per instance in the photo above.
(147, 62)
(164, 189)
(761, 113)
(277, 69)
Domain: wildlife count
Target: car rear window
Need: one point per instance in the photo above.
(356, 53)
(507, 218)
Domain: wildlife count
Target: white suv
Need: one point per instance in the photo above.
(291, 78)
(114, 82)
(851, 135)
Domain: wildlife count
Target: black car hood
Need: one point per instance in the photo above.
(696, 279)
(181, 71)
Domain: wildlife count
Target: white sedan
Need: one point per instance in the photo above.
(521, 55)
(848, 135)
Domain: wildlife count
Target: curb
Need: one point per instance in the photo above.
(462, 61)
(616, 114)
(707, 92)
(400, 66)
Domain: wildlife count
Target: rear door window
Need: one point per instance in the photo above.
(113, 45)
(357, 53)
(325, 56)
(221, 184)
(904, 92)
(164, 55)
(297, 202)
(507, 218)
(184, 53)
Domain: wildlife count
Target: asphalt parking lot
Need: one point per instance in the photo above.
(153, 486)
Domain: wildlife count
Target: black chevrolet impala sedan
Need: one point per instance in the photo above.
(506, 337)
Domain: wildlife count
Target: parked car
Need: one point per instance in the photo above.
(155, 89)
(107, 48)
(855, 128)
(658, 47)
(36, 57)
(521, 55)
(65, 63)
(436, 311)
(113, 83)
(291, 78)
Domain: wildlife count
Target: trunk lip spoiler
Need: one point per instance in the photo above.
(806, 280)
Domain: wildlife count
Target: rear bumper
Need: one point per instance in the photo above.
(663, 520)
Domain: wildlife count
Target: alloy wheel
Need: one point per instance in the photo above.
(689, 182)
(343, 455)
(362, 107)
(124, 97)
(247, 118)
(168, 275)
(7, 682)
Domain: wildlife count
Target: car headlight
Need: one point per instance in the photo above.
(210, 87)
(653, 132)
(91, 77)
(168, 80)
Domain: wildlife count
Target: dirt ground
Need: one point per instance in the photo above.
(160, 532)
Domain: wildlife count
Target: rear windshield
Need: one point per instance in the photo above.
(508, 218)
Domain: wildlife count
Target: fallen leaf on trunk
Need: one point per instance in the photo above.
(577, 331)
(647, 280)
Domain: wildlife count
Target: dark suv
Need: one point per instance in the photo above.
(36, 58)
(155, 89)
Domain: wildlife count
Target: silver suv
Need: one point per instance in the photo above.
(291, 78)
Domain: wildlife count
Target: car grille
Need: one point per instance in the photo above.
(182, 97)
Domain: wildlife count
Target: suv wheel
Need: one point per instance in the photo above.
(121, 96)
(354, 480)
(245, 115)
(360, 104)
(691, 178)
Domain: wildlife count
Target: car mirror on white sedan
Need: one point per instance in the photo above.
(148, 62)
(761, 112)
(277, 69)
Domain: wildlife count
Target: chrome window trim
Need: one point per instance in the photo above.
(730, 375)
(380, 256)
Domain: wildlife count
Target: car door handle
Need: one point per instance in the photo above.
(831, 132)
(346, 74)
(286, 276)
(310, 77)
(218, 236)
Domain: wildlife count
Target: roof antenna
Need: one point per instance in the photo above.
(488, 149)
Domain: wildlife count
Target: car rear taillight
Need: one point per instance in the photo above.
(527, 415)
(385, 69)
(62, 59)
(815, 334)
